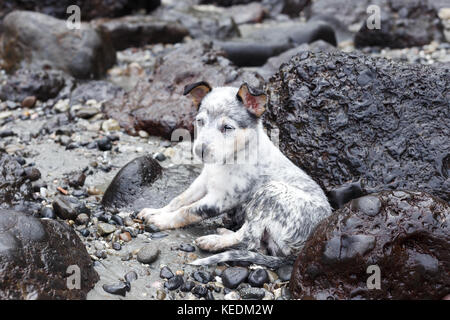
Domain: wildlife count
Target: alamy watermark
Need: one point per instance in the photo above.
(374, 20)
(374, 280)
(74, 278)
(74, 20)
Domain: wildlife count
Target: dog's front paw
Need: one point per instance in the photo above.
(147, 212)
(162, 221)
(212, 242)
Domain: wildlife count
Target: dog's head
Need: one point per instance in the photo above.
(227, 120)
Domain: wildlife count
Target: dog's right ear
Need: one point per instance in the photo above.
(197, 91)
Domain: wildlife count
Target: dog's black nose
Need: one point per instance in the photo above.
(200, 150)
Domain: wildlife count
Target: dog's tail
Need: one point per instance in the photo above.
(245, 256)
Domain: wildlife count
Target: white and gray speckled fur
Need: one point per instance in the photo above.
(243, 169)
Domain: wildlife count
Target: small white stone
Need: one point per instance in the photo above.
(143, 134)
(110, 125)
(62, 106)
(233, 295)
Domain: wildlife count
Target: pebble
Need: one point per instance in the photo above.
(86, 112)
(101, 254)
(105, 228)
(148, 254)
(160, 294)
(284, 273)
(174, 283)
(125, 236)
(202, 276)
(116, 246)
(166, 273)
(29, 102)
(47, 212)
(200, 291)
(32, 173)
(64, 208)
(158, 235)
(62, 106)
(126, 256)
(104, 144)
(234, 276)
(233, 295)
(143, 134)
(272, 276)
(77, 180)
(187, 286)
(85, 232)
(82, 218)
(110, 125)
(130, 276)
(117, 288)
(159, 156)
(186, 247)
(252, 293)
(258, 277)
(117, 219)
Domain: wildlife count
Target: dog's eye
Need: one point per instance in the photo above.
(227, 128)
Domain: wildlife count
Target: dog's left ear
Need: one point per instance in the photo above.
(254, 102)
(197, 91)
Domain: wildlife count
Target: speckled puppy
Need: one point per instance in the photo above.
(243, 169)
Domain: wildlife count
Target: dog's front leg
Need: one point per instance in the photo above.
(196, 191)
(212, 204)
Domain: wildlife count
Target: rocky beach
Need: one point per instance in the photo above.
(93, 127)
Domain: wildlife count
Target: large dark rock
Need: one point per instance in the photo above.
(265, 41)
(405, 234)
(89, 8)
(139, 30)
(144, 183)
(14, 185)
(157, 105)
(201, 23)
(43, 84)
(406, 24)
(344, 117)
(31, 38)
(35, 256)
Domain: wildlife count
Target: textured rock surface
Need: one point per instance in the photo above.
(406, 234)
(14, 186)
(43, 41)
(157, 105)
(143, 183)
(35, 256)
(43, 84)
(344, 117)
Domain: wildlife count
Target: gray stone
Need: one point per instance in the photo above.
(31, 38)
(103, 228)
(148, 254)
